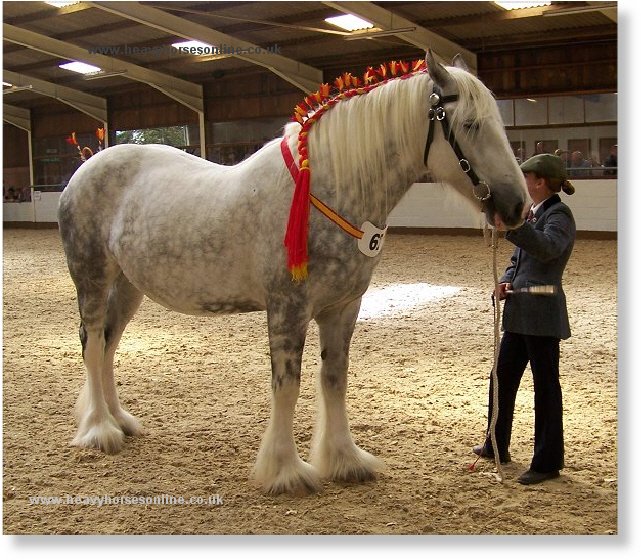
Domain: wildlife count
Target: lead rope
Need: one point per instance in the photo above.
(495, 380)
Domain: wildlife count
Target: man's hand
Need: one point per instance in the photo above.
(502, 289)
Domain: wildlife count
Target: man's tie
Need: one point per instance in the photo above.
(530, 216)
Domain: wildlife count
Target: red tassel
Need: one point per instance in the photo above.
(298, 226)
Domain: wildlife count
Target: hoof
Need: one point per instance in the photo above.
(351, 464)
(129, 424)
(297, 479)
(105, 435)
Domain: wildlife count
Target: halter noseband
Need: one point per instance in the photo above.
(437, 113)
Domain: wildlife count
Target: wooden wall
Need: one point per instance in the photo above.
(15, 147)
(53, 118)
(551, 70)
(141, 106)
(256, 94)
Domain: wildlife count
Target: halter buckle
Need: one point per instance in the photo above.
(465, 165)
(438, 114)
(435, 99)
(478, 196)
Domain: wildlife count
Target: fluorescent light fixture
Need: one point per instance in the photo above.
(531, 100)
(79, 67)
(192, 44)
(597, 7)
(521, 5)
(349, 22)
(7, 84)
(61, 3)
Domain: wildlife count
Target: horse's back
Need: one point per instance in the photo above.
(120, 167)
(186, 232)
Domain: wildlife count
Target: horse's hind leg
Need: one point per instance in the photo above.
(279, 469)
(334, 452)
(96, 425)
(124, 300)
(102, 421)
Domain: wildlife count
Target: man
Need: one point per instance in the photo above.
(534, 324)
(539, 149)
(578, 165)
(610, 162)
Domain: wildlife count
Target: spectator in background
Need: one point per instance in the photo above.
(10, 195)
(519, 155)
(539, 149)
(564, 155)
(24, 194)
(578, 165)
(596, 169)
(611, 162)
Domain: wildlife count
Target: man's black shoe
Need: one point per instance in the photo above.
(535, 477)
(487, 453)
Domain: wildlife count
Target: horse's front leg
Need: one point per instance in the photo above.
(334, 452)
(279, 469)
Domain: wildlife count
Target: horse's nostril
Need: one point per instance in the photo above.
(518, 210)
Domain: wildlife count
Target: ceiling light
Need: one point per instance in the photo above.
(349, 22)
(62, 4)
(597, 7)
(521, 5)
(7, 84)
(80, 67)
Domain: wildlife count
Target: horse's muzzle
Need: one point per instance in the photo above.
(509, 213)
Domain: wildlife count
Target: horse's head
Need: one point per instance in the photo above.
(467, 146)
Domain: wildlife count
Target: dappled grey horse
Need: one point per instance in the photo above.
(202, 239)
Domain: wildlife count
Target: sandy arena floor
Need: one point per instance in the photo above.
(420, 360)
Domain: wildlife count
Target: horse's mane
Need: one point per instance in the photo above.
(359, 137)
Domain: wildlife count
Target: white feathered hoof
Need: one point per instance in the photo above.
(347, 463)
(104, 434)
(129, 424)
(285, 473)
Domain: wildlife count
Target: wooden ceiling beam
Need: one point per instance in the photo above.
(301, 75)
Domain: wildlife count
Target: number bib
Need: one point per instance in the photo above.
(372, 241)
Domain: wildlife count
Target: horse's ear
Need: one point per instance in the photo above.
(437, 71)
(459, 62)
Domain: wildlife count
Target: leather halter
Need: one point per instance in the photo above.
(437, 114)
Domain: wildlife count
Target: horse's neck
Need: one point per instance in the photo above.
(376, 203)
(384, 158)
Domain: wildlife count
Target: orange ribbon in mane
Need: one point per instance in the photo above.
(307, 113)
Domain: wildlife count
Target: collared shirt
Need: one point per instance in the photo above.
(535, 208)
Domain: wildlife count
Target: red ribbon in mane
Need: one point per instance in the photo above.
(307, 113)
(298, 223)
